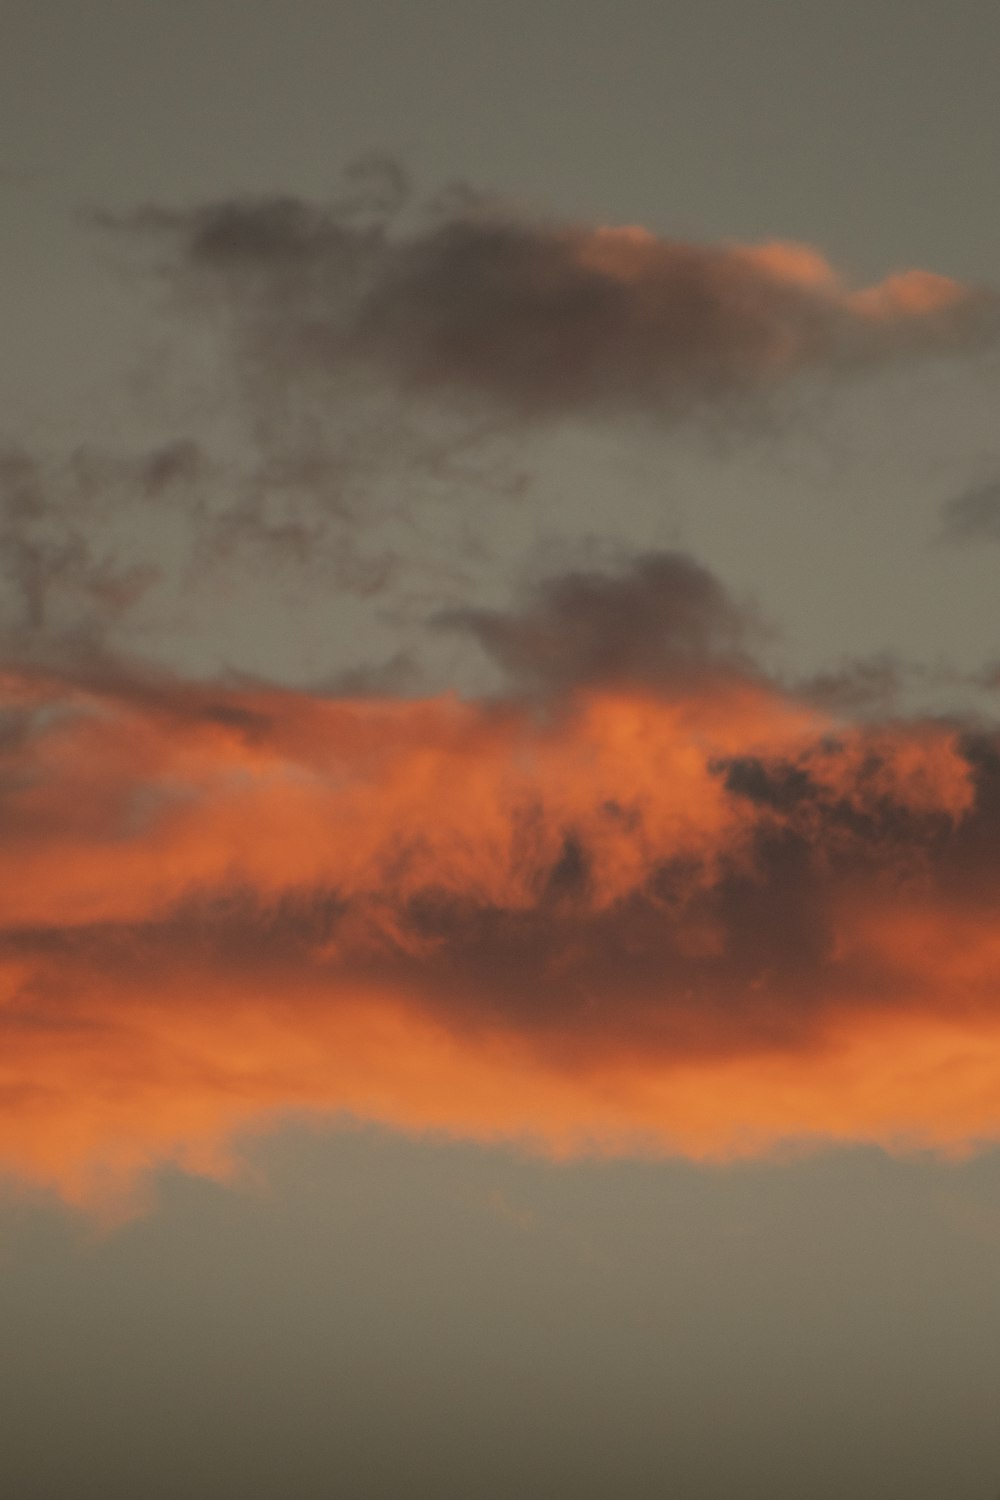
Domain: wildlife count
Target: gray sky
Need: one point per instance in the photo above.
(189, 484)
(870, 130)
(378, 1317)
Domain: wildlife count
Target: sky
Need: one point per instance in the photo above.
(499, 750)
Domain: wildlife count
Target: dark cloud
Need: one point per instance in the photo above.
(662, 618)
(474, 304)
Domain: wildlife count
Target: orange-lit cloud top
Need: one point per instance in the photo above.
(543, 319)
(660, 905)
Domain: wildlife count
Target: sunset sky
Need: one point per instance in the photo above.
(500, 750)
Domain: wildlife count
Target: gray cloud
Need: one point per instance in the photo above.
(474, 304)
(661, 618)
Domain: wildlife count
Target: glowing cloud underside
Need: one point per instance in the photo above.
(698, 919)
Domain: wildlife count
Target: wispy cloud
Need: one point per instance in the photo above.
(63, 577)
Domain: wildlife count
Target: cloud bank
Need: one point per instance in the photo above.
(645, 901)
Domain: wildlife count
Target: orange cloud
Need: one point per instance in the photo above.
(696, 917)
(908, 294)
